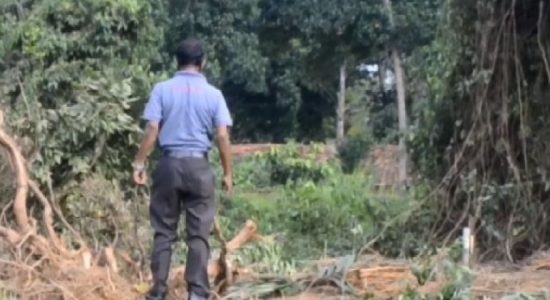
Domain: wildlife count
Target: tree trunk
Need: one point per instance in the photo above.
(382, 79)
(401, 104)
(402, 116)
(341, 106)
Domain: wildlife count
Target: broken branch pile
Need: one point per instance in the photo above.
(41, 265)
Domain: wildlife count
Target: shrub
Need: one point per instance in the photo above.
(335, 216)
(99, 209)
(315, 206)
(289, 164)
(353, 152)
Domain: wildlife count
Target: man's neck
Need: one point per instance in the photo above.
(190, 69)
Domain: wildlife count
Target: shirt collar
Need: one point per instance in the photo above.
(189, 73)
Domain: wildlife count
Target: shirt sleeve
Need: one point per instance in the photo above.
(153, 109)
(222, 117)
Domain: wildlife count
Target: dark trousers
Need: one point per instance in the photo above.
(182, 185)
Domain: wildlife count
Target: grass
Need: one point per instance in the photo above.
(261, 198)
(4, 295)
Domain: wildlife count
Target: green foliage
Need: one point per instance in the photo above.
(314, 223)
(472, 127)
(353, 152)
(100, 211)
(262, 92)
(228, 28)
(72, 76)
(336, 215)
(75, 75)
(460, 281)
(267, 258)
(290, 165)
(252, 174)
(275, 60)
(6, 295)
(371, 108)
(461, 278)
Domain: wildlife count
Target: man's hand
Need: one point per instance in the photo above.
(227, 184)
(147, 145)
(140, 176)
(224, 145)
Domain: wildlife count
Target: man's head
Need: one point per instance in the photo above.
(190, 52)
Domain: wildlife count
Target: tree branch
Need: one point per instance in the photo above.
(539, 39)
(22, 178)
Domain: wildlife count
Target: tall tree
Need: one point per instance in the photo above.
(278, 60)
(401, 104)
(257, 68)
(337, 36)
(341, 106)
(401, 97)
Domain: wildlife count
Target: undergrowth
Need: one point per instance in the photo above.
(311, 211)
(310, 205)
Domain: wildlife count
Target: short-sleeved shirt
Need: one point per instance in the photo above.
(189, 109)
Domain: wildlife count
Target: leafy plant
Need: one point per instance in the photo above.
(335, 216)
(290, 164)
(267, 258)
(353, 152)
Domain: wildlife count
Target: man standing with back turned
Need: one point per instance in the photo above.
(184, 112)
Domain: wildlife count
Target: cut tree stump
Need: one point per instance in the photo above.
(222, 268)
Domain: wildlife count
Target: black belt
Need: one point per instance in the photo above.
(185, 154)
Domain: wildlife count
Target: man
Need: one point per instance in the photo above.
(184, 112)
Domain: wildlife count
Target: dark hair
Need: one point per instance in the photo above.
(190, 52)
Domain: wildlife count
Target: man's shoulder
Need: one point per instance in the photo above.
(164, 83)
(158, 87)
(213, 89)
(174, 82)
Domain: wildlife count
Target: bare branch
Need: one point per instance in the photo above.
(22, 178)
(539, 39)
(10, 235)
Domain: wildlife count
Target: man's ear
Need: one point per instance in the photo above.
(203, 64)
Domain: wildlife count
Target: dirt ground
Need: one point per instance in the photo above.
(493, 281)
(373, 276)
(531, 277)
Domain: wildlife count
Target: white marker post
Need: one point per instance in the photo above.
(466, 245)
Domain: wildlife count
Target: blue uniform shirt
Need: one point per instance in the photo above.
(188, 109)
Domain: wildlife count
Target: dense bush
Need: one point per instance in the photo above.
(353, 152)
(334, 216)
(290, 164)
(73, 75)
(286, 165)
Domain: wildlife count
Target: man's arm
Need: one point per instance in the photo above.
(148, 143)
(153, 114)
(222, 121)
(224, 145)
